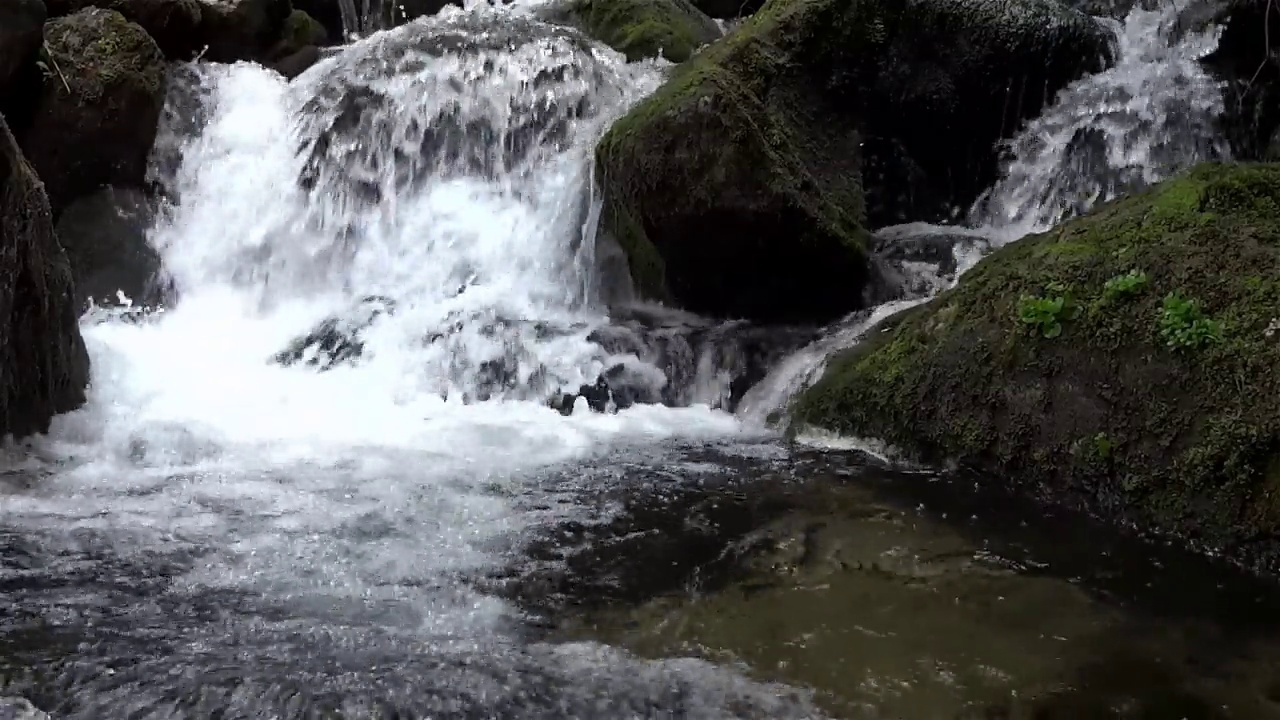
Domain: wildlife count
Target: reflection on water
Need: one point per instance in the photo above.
(900, 595)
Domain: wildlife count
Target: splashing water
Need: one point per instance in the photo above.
(1151, 115)
(212, 507)
(1137, 123)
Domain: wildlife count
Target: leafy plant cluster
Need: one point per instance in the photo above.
(1184, 325)
(1121, 286)
(1047, 313)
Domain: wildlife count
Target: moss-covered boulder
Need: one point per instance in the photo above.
(640, 29)
(44, 367)
(300, 31)
(743, 186)
(96, 119)
(175, 25)
(1124, 362)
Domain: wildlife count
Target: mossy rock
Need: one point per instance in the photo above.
(737, 189)
(1160, 414)
(175, 25)
(300, 31)
(96, 118)
(640, 29)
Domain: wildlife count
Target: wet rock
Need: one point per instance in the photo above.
(105, 236)
(640, 29)
(97, 116)
(300, 31)
(1065, 364)
(44, 366)
(242, 29)
(336, 340)
(737, 189)
(360, 143)
(1249, 67)
(328, 13)
(175, 25)
(919, 259)
(21, 31)
(294, 64)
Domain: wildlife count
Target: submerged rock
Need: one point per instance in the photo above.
(737, 189)
(96, 119)
(1123, 362)
(336, 340)
(672, 29)
(44, 366)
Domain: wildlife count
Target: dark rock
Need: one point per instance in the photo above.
(300, 31)
(336, 340)
(175, 25)
(291, 66)
(242, 29)
(1249, 67)
(105, 237)
(1122, 362)
(737, 189)
(328, 13)
(44, 366)
(97, 117)
(918, 259)
(728, 9)
(640, 29)
(21, 31)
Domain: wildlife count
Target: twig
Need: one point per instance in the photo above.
(56, 69)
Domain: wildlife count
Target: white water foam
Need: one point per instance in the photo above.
(452, 177)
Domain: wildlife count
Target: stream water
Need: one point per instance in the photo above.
(248, 520)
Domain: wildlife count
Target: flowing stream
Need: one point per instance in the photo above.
(327, 479)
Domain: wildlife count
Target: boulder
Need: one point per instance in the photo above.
(1123, 362)
(105, 237)
(328, 13)
(300, 31)
(294, 64)
(96, 119)
(242, 29)
(737, 189)
(640, 29)
(44, 366)
(173, 24)
(21, 31)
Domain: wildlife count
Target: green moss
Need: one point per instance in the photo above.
(640, 29)
(96, 50)
(301, 30)
(1190, 439)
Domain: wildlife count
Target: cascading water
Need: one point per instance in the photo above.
(223, 532)
(1149, 116)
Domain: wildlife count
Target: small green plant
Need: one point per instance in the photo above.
(1130, 283)
(1046, 314)
(1184, 325)
(1103, 445)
